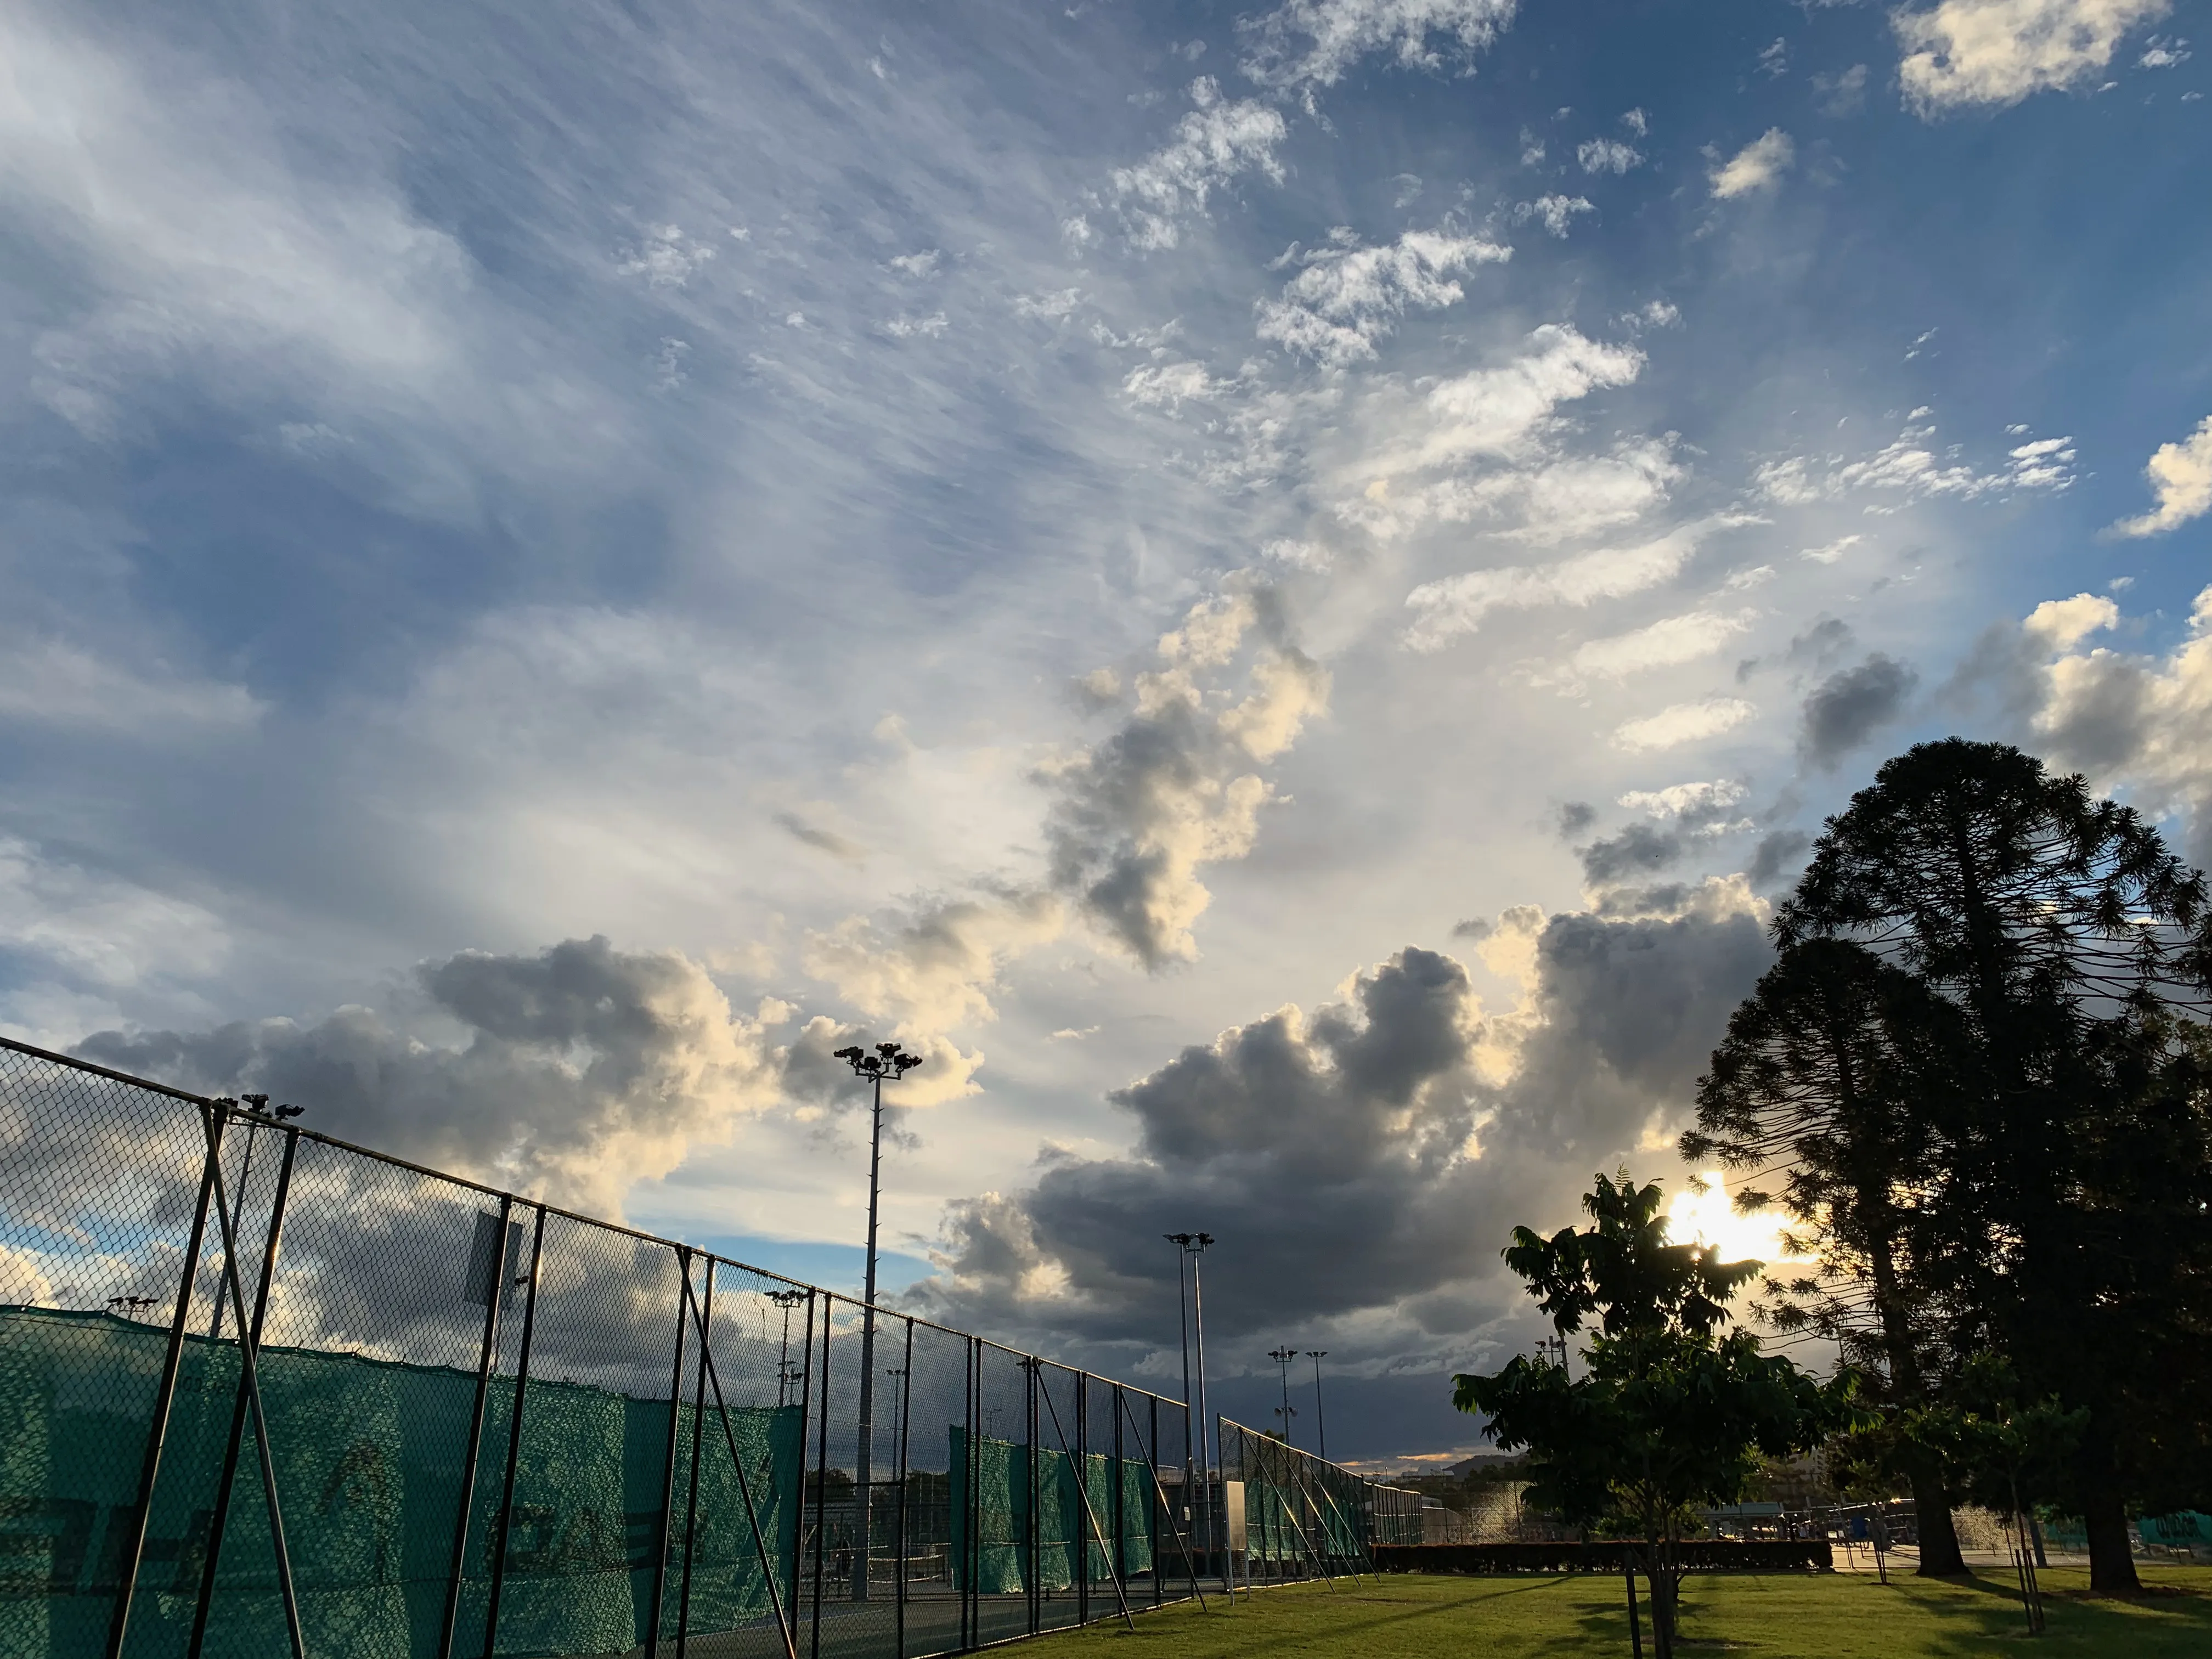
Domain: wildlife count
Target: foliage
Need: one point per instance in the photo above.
(1669, 1413)
(2037, 1135)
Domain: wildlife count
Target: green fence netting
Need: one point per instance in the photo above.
(996, 1560)
(370, 1484)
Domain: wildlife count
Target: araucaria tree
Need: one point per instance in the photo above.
(1847, 1077)
(1669, 1413)
(2024, 1134)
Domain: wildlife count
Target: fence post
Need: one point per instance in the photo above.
(906, 1426)
(514, 1438)
(1083, 1486)
(1033, 1365)
(799, 1503)
(495, 1294)
(971, 1496)
(165, 1393)
(1152, 1529)
(698, 1419)
(821, 1466)
(668, 1461)
(1121, 1498)
(218, 1524)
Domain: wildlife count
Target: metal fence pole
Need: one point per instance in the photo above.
(1033, 1365)
(698, 1421)
(905, 1425)
(165, 1393)
(495, 1294)
(1121, 1498)
(1152, 1527)
(799, 1504)
(971, 1485)
(514, 1439)
(219, 1522)
(1083, 1486)
(668, 1460)
(822, 1470)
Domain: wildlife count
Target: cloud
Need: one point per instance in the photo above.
(1135, 817)
(1607, 155)
(1555, 213)
(1361, 1163)
(1843, 93)
(1685, 722)
(1998, 51)
(923, 264)
(2180, 477)
(1912, 468)
(585, 1069)
(113, 692)
(1661, 644)
(1847, 708)
(667, 258)
(2127, 719)
(935, 970)
(1306, 44)
(1640, 850)
(1779, 853)
(1348, 296)
(1758, 165)
(814, 835)
(1214, 143)
(1453, 606)
(1499, 411)
(1697, 805)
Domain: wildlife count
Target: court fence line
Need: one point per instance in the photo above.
(264, 1393)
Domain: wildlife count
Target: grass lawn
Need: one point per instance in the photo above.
(1824, 1616)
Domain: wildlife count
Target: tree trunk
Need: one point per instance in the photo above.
(2111, 1560)
(1940, 1557)
(1660, 1579)
(1635, 1628)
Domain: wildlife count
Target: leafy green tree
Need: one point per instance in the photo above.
(1671, 1414)
(1843, 1075)
(2073, 945)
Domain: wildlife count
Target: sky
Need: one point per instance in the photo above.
(1275, 590)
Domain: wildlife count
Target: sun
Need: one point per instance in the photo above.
(1701, 1213)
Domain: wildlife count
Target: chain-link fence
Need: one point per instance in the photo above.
(264, 1394)
(1290, 1514)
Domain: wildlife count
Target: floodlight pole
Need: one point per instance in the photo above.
(1282, 1357)
(1321, 1422)
(888, 1060)
(786, 1300)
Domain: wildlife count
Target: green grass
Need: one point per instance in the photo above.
(1825, 1616)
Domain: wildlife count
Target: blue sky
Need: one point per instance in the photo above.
(1277, 588)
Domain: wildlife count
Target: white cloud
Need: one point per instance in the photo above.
(1552, 212)
(1637, 122)
(1217, 141)
(1168, 385)
(2180, 477)
(1829, 552)
(1607, 155)
(2124, 719)
(1912, 468)
(2164, 54)
(1048, 307)
(2062, 624)
(1692, 800)
(907, 328)
(1999, 52)
(51, 681)
(1498, 411)
(667, 258)
(923, 264)
(1457, 605)
(1662, 644)
(1305, 43)
(1685, 722)
(1347, 297)
(1758, 165)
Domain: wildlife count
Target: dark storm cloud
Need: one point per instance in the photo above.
(1847, 708)
(586, 1068)
(1576, 817)
(1638, 850)
(1363, 1157)
(1779, 853)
